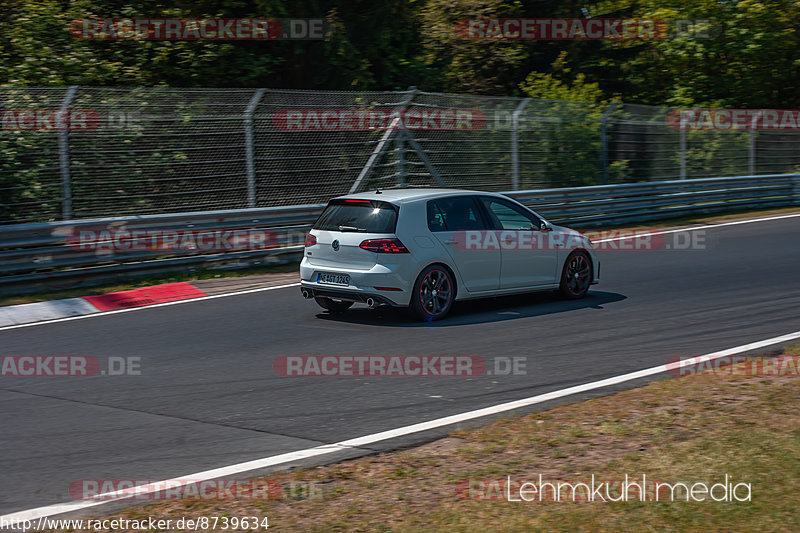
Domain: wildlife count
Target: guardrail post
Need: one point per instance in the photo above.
(515, 143)
(249, 148)
(796, 189)
(604, 141)
(63, 156)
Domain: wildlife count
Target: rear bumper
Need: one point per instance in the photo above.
(363, 283)
(314, 290)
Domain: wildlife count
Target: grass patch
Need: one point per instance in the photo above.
(690, 429)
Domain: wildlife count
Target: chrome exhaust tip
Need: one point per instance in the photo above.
(370, 302)
(306, 294)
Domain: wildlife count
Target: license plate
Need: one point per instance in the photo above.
(333, 279)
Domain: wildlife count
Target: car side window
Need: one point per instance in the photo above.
(506, 215)
(435, 217)
(454, 214)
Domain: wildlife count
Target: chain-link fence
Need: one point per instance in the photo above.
(72, 153)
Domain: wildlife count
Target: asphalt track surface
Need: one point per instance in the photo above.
(208, 396)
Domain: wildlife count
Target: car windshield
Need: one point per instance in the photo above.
(366, 216)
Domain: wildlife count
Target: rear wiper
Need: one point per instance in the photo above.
(350, 228)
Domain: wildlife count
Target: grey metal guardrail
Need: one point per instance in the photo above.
(65, 254)
(43, 256)
(641, 202)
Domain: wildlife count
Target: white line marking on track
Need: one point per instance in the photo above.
(640, 233)
(165, 304)
(275, 460)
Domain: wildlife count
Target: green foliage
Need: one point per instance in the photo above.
(569, 142)
(373, 45)
(471, 66)
(548, 87)
(748, 59)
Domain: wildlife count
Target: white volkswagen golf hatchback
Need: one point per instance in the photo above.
(426, 248)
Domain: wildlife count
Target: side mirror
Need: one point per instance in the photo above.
(544, 226)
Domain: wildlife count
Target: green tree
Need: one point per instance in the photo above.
(749, 57)
(373, 46)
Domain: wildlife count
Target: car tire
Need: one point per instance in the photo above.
(334, 306)
(434, 293)
(576, 276)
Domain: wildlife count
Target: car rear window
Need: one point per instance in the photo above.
(368, 216)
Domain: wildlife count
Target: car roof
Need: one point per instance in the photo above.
(405, 195)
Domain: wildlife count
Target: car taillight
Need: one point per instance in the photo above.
(310, 240)
(385, 246)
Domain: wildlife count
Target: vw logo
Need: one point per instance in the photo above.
(335, 245)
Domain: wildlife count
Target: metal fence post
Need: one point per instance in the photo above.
(409, 137)
(515, 143)
(249, 148)
(751, 147)
(400, 156)
(683, 152)
(63, 156)
(381, 146)
(604, 141)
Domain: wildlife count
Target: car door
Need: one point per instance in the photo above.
(449, 219)
(528, 257)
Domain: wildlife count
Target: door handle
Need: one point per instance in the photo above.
(450, 242)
